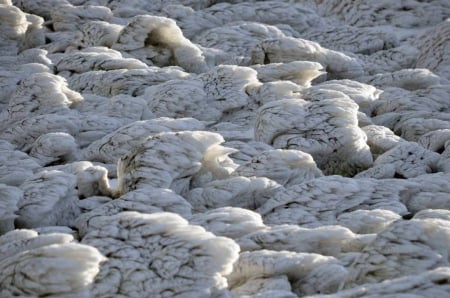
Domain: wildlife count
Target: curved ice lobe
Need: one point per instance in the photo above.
(413, 124)
(427, 192)
(71, 18)
(235, 41)
(174, 160)
(26, 60)
(122, 107)
(92, 181)
(181, 98)
(367, 221)
(14, 25)
(307, 273)
(112, 146)
(208, 97)
(404, 248)
(35, 35)
(40, 94)
(297, 15)
(34, 265)
(405, 160)
(42, 8)
(243, 192)
(350, 39)
(99, 34)
(364, 95)
(92, 59)
(389, 60)
(9, 197)
(159, 41)
(231, 222)
(93, 127)
(408, 79)
(330, 240)
(23, 133)
(433, 46)
(299, 72)
(265, 287)
(380, 139)
(55, 148)
(415, 129)
(322, 200)
(246, 150)
(145, 200)
(412, 114)
(437, 141)
(83, 127)
(326, 128)
(11, 77)
(20, 31)
(16, 166)
(21, 240)
(49, 199)
(62, 41)
(286, 167)
(288, 49)
(227, 86)
(123, 81)
(159, 254)
(399, 100)
(273, 91)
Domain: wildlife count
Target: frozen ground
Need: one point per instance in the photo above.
(224, 149)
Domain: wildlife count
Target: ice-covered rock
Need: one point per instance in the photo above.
(9, 197)
(287, 167)
(16, 166)
(308, 273)
(404, 248)
(71, 18)
(325, 128)
(159, 41)
(322, 200)
(288, 49)
(119, 142)
(194, 155)
(158, 254)
(405, 160)
(249, 193)
(35, 265)
(49, 198)
(143, 200)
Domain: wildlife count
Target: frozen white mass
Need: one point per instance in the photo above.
(224, 149)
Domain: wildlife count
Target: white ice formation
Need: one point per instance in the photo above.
(158, 254)
(232, 149)
(48, 264)
(325, 127)
(287, 167)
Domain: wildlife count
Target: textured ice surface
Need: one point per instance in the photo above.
(215, 148)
